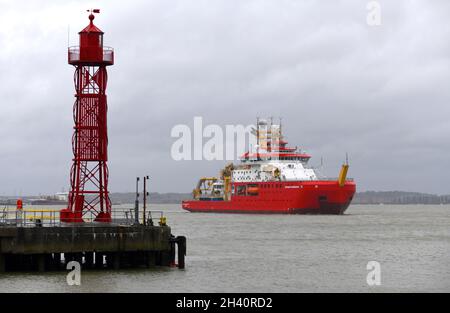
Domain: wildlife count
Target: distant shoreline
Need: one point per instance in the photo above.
(366, 197)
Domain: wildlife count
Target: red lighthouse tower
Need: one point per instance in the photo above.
(89, 196)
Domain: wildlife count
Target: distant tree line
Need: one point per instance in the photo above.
(116, 198)
(154, 197)
(399, 197)
(366, 197)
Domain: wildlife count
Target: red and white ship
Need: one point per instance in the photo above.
(272, 179)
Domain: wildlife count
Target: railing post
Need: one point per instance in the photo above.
(181, 241)
(2, 263)
(136, 204)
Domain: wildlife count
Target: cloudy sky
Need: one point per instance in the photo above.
(379, 93)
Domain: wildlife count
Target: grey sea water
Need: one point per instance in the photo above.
(280, 253)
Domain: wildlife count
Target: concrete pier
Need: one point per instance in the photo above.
(93, 246)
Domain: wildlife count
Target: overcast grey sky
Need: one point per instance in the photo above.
(379, 93)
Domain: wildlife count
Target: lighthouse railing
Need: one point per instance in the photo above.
(74, 55)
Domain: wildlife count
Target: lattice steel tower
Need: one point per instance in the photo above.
(89, 196)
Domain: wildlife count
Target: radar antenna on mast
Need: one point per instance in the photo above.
(281, 136)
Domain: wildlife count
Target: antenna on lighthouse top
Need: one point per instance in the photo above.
(91, 15)
(93, 11)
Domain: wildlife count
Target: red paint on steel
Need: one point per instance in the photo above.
(89, 173)
(19, 204)
(296, 197)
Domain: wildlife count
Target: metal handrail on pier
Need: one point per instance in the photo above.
(50, 217)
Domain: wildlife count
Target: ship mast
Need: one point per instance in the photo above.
(280, 129)
(257, 138)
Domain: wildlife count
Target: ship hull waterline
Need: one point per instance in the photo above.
(302, 197)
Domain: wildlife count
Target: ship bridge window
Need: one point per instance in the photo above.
(241, 190)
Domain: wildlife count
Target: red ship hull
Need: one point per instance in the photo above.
(302, 197)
